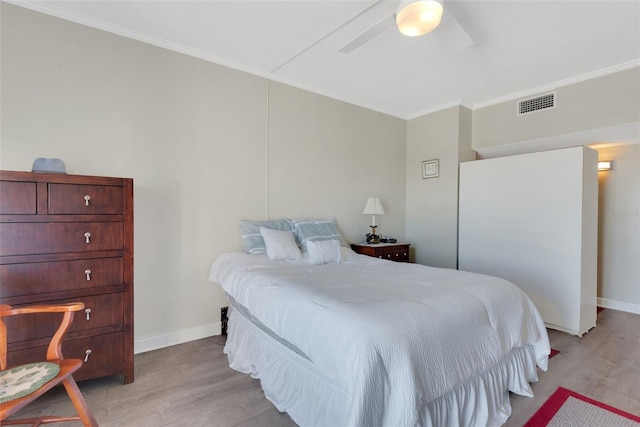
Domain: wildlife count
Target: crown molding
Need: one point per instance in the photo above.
(560, 83)
(454, 103)
(50, 9)
(530, 92)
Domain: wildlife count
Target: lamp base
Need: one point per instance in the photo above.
(373, 238)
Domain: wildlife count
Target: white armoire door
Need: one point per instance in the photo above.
(532, 219)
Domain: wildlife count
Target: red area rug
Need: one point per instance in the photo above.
(567, 408)
(553, 352)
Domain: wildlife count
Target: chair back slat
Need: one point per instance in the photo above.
(3, 345)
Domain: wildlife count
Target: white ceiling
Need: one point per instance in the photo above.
(483, 52)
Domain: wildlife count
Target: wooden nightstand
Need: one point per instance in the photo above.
(391, 251)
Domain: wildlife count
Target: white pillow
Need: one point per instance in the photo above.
(280, 244)
(323, 251)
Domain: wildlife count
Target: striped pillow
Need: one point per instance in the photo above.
(317, 229)
(252, 240)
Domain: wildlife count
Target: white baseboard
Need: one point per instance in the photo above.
(143, 345)
(619, 305)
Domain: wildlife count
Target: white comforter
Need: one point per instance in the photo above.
(394, 335)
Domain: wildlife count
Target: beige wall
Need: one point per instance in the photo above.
(326, 157)
(619, 228)
(206, 146)
(432, 203)
(604, 102)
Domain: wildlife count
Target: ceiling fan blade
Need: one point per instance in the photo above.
(451, 34)
(369, 34)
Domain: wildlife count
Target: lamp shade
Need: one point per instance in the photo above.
(418, 17)
(373, 207)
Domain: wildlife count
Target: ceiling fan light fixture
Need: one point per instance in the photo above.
(419, 17)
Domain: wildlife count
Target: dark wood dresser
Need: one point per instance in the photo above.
(67, 238)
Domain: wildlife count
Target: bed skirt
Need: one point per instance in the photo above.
(296, 386)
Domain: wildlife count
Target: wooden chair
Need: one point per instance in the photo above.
(54, 357)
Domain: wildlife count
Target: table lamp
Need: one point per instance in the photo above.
(373, 208)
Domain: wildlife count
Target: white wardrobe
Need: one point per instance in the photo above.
(532, 219)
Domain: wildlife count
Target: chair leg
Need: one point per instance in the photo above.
(78, 401)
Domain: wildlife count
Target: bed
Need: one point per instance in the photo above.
(349, 340)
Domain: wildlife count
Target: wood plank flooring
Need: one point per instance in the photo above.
(191, 384)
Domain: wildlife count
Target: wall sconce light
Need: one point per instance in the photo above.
(605, 165)
(373, 208)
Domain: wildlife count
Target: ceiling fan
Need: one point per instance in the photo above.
(416, 18)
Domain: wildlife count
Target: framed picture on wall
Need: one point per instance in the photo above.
(431, 168)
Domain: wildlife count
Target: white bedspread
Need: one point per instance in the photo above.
(394, 335)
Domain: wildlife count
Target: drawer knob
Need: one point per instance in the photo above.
(88, 273)
(88, 313)
(86, 355)
(87, 236)
(389, 256)
(86, 200)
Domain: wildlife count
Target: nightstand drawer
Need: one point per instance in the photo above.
(390, 251)
(396, 253)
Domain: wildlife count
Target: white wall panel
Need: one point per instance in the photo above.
(532, 219)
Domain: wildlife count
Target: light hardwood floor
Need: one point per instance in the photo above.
(191, 384)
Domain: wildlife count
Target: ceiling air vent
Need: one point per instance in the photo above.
(538, 103)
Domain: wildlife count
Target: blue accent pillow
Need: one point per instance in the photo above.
(252, 240)
(315, 230)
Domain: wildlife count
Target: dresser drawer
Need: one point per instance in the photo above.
(104, 353)
(36, 278)
(17, 198)
(58, 237)
(103, 311)
(78, 199)
(99, 311)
